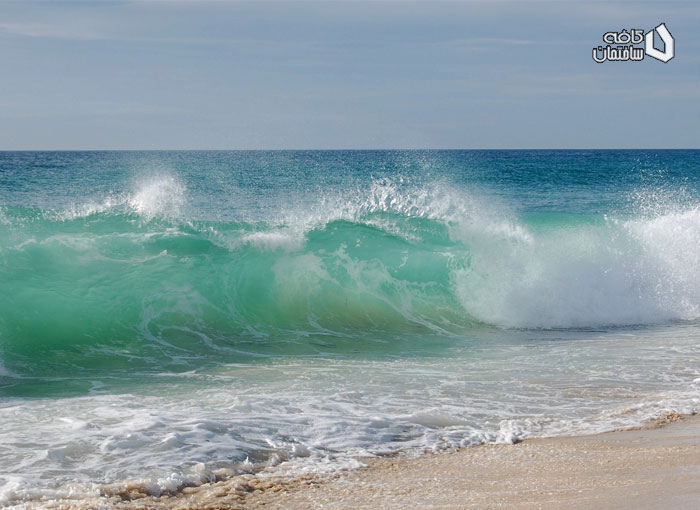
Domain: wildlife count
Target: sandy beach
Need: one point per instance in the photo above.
(656, 467)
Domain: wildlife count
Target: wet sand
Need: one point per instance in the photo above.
(656, 467)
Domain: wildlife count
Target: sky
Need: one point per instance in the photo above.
(341, 75)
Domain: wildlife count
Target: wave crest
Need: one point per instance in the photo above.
(398, 258)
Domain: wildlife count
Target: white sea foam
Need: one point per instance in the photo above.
(624, 272)
(321, 414)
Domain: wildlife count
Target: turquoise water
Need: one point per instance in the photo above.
(165, 315)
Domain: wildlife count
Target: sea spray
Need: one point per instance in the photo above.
(131, 282)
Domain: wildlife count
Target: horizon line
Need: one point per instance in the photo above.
(370, 149)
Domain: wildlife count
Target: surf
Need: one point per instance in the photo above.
(135, 281)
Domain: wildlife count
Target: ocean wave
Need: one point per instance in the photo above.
(136, 275)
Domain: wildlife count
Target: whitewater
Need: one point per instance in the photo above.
(170, 317)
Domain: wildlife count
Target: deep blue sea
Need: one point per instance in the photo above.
(167, 317)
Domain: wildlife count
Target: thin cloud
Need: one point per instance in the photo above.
(46, 31)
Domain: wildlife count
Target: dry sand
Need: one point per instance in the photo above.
(657, 467)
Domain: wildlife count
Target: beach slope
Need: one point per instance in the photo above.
(657, 467)
(651, 468)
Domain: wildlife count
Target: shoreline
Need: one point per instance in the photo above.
(649, 467)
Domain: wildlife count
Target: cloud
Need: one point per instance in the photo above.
(46, 31)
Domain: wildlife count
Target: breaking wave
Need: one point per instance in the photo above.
(134, 278)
